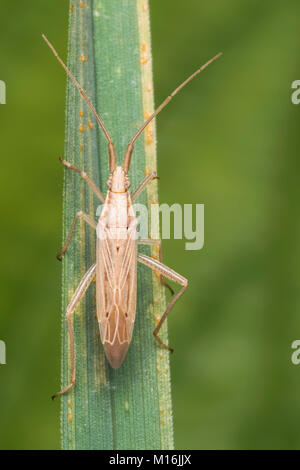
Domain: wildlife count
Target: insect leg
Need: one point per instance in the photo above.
(77, 296)
(173, 276)
(87, 219)
(86, 177)
(143, 184)
(143, 241)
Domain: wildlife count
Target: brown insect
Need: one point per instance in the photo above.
(115, 269)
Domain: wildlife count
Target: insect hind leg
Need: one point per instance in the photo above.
(77, 296)
(150, 242)
(173, 276)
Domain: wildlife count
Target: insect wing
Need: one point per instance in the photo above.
(116, 293)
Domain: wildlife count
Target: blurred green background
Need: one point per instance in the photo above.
(230, 141)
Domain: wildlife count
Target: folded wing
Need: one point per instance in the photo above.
(116, 293)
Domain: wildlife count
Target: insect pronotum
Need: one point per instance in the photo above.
(116, 251)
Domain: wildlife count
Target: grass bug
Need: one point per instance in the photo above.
(116, 250)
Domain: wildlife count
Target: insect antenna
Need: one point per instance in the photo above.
(111, 148)
(129, 150)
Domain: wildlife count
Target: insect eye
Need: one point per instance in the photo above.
(109, 183)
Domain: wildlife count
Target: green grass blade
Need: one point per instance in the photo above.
(129, 408)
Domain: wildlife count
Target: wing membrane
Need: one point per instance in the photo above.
(116, 287)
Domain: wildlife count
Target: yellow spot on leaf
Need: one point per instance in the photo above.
(149, 135)
(83, 58)
(90, 124)
(81, 128)
(82, 5)
(81, 113)
(70, 416)
(145, 7)
(144, 59)
(143, 47)
(156, 320)
(126, 405)
(147, 171)
(81, 148)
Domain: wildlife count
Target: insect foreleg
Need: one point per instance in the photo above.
(87, 218)
(173, 276)
(86, 177)
(143, 241)
(143, 184)
(77, 296)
